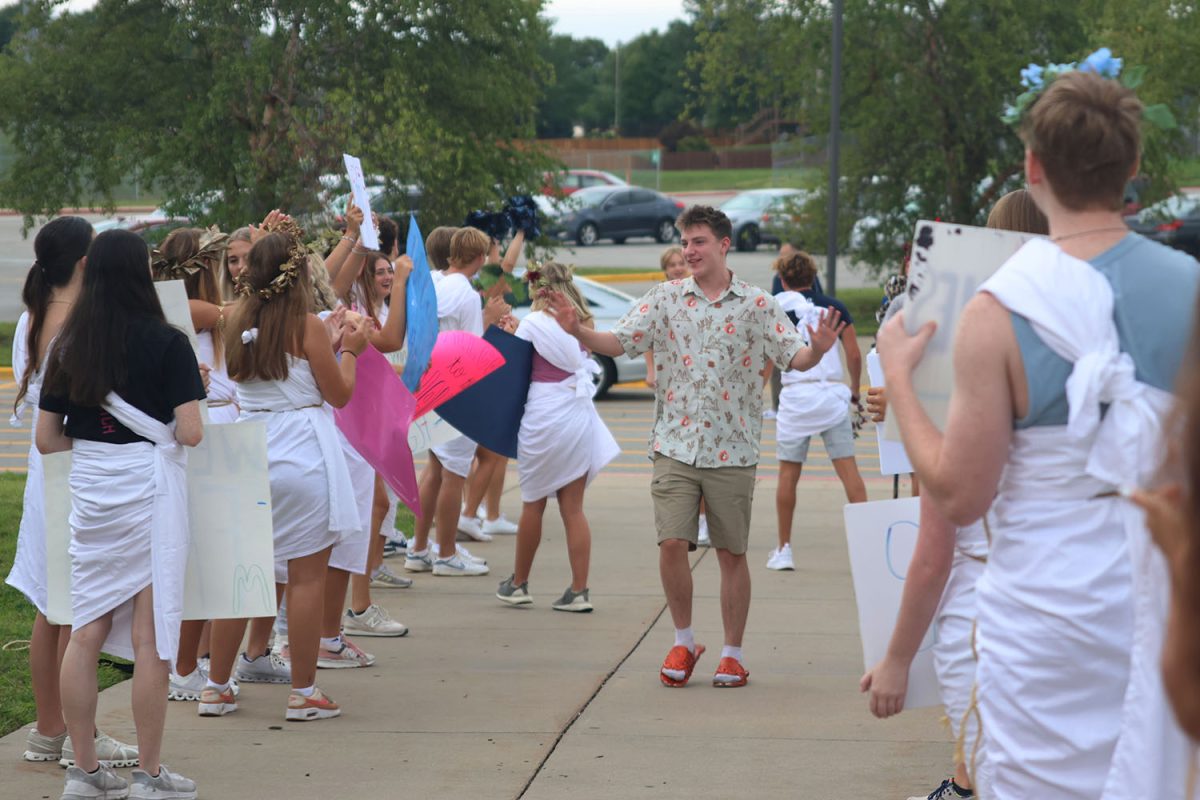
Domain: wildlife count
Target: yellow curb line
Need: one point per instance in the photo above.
(6, 373)
(625, 277)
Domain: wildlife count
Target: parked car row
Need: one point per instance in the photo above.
(763, 216)
(1175, 222)
(612, 212)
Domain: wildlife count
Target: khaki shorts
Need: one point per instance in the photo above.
(677, 488)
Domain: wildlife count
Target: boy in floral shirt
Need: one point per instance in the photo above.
(710, 333)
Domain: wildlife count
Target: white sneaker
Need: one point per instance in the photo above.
(419, 562)
(470, 527)
(781, 559)
(702, 539)
(457, 566)
(462, 551)
(375, 621)
(103, 783)
(500, 526)
(186, 687)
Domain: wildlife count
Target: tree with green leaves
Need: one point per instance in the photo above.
(230, 110)
(925, 84)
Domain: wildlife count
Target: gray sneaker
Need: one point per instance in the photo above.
(570, 601)
(384, 578)
(512, 594)
(43, 748)
(103, 784)
(268, 668)
(165, 786)
(109, 752)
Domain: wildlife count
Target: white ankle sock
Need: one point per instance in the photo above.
(684, 636)
(308, 692)
(331, 644)
(211, 684)
(732, 652)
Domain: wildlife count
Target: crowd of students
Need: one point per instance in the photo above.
(1050, 603)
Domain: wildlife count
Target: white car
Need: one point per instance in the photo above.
(607, 305)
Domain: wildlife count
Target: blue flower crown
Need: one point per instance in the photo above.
(1035, 78)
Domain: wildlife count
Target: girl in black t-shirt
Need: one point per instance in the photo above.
(121, 393)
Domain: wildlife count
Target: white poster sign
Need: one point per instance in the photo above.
(949, 263)
(231, 556)
(428, 431)
(358, 187)
(173, 297)
(893, 460)
(881, 536)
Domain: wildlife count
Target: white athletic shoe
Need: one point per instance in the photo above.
(457, 566)
(702, 539)
(186, 687)
(163, 786)
(781, 559)
(419, 561)
(375, 621)
(470, 527)
(500, 526)
(466, 554)
(268, 668)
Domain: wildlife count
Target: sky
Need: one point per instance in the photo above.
(611, 20)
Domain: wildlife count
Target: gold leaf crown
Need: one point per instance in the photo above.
(289, 270)
(212, 245)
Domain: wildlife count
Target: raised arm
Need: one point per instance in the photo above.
(390, 338)
(335, 379)
(820, 338)
(605, 343)
(337, 258)
(513, 253)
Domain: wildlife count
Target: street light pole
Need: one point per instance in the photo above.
(835, 133)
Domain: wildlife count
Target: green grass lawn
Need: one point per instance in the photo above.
(707, 180)
(16, 621)
(585, 271)
(7, 329)
(1186, 172)
(862, 304)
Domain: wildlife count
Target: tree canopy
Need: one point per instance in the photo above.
(233, 109)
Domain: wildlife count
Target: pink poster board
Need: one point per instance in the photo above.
(376, 422)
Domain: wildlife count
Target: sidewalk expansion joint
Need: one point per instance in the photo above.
(575, 718)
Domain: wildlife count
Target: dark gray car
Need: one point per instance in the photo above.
(618, 213)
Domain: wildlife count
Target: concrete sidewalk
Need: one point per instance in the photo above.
(486, 701)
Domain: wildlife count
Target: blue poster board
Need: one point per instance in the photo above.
(490, 411)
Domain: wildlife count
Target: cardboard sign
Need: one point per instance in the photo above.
(460, 359)
(358, 188)
(949, 263)
(376, 421)
(881, 537)
(490, 411)
(421, 318)
(231, 555)
(893, 460)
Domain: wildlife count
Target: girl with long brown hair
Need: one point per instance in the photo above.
(122, 393)
(50, 291)
(283, 359)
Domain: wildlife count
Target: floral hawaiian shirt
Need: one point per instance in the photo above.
(710, 355)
